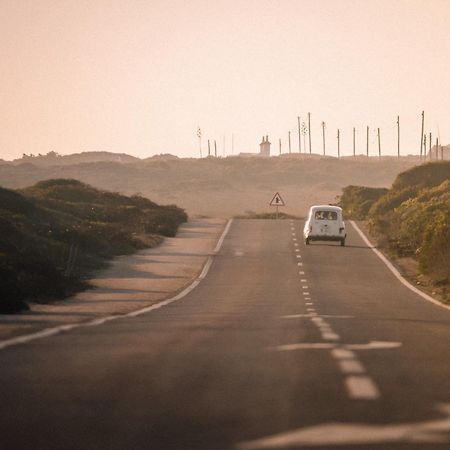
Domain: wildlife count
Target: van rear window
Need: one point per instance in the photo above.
(325, 215)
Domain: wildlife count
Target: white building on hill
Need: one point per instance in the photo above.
(264, 148)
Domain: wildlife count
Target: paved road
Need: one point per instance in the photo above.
(253, 358)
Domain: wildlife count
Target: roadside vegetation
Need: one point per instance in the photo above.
(412, 219)
(271, 215)
(55, 233)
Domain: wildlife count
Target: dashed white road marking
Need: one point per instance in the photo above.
(351, 366)
(342, 353)
(361, 388)
(317, 320)
(330, 336)
(358, 385)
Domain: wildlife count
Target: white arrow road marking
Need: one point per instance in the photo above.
(338, 433)
(373, 345)
(307, 316)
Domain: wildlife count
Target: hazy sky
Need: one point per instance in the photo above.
(139, 76)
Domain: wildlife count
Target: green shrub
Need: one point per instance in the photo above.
(53, 233)
(413, 217)
(434, 255)
(356, 201)
(423, 176)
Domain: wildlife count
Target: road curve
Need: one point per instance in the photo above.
(282, 345)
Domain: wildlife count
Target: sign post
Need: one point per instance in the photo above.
(277, 201)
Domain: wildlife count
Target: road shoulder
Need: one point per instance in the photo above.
(130, 283)
(408, 269)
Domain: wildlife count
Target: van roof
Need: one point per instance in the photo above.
(325, 208)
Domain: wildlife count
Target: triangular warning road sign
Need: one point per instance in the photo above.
(277, 200)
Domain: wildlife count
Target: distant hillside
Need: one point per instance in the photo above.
(221, 186)
(54, 233)
(55, 159)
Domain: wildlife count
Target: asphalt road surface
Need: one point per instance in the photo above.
(282, 345)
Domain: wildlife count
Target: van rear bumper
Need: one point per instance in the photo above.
(312, 237)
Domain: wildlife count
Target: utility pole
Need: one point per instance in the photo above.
(425, 146)
(279, 144)
(209, 148)
(437, 149)
(367, 141)
(199, 135)
(309, 131)
(299, 135)
(289, 140)
(215, 148)
(339, 142)
(379, 144)
(429, 146)
(421, 134)
(354, 141)
(398, 136)
(323, 137)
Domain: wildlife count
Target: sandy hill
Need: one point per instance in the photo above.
(219, 186)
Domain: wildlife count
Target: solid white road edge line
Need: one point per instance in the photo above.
(101, 320)
(223, 236)
(396, 273)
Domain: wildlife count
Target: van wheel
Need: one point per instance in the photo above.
(307, 241)
(343, 242)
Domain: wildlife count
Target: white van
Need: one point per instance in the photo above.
(324, 223)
